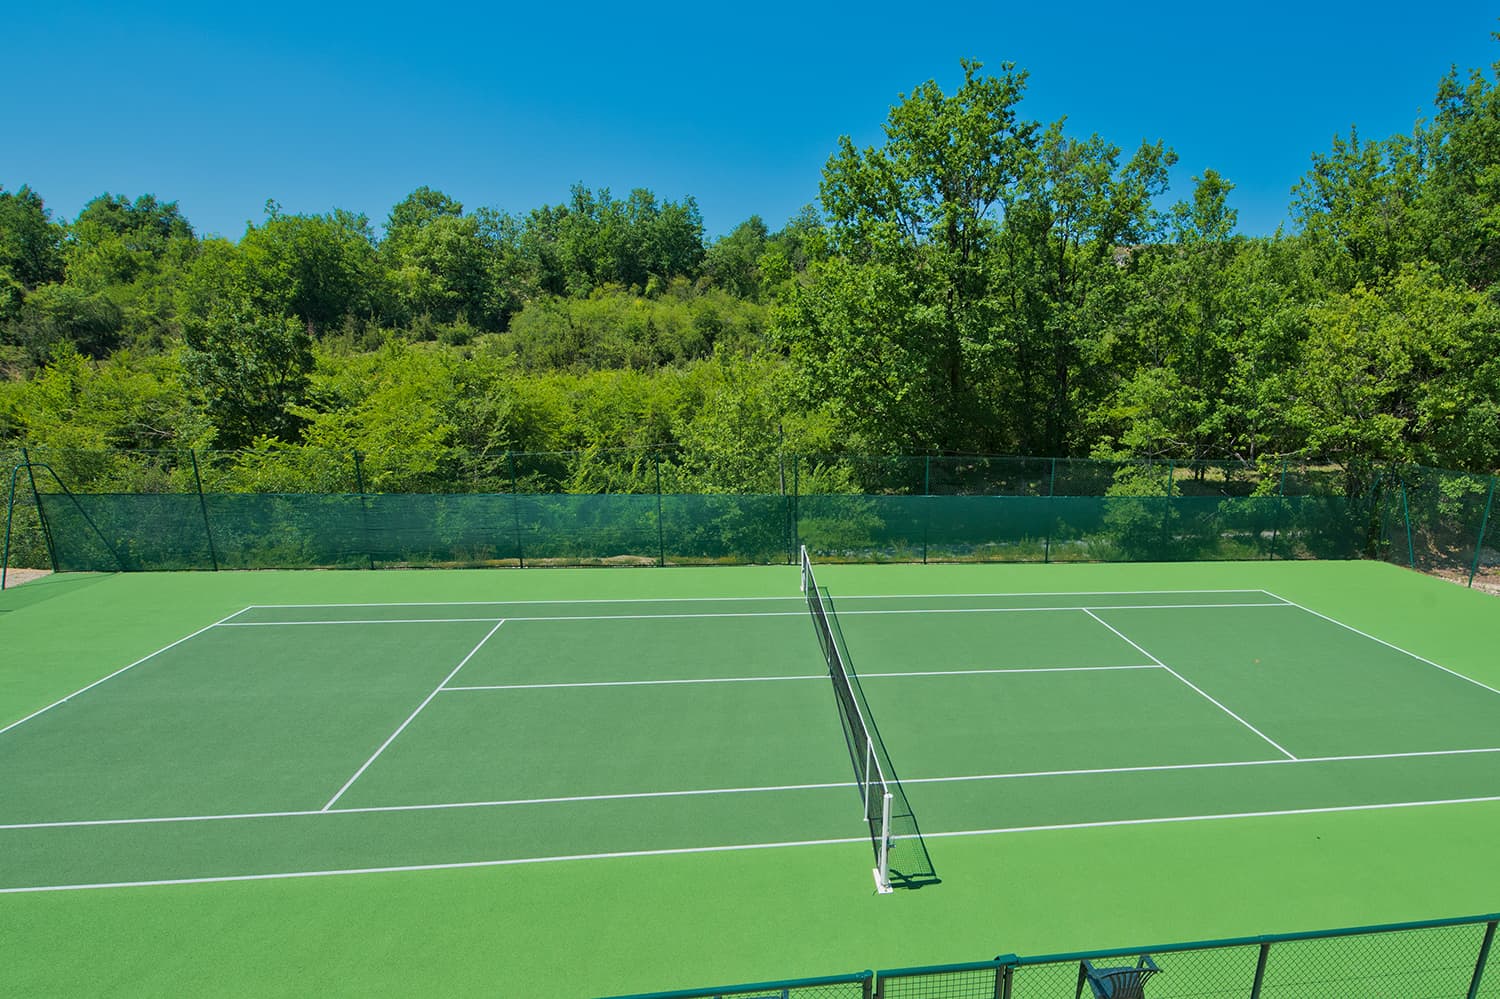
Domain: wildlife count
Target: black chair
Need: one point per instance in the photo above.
(1119, 982)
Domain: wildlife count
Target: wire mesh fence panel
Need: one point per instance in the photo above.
(450, 530)
(1489, 973)
(1401, 964)
(987, 528)
(27, 545)
(1444, 514)
(1178, 974)
(288, 530)
(726, 528)
(127, 532)
(1485, 569)
(975, 981)
(978, 475)
(583, 529)
(833, 987)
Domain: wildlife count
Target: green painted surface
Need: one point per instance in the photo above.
(266, 718)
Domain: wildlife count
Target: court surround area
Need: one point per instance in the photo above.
(687, 721)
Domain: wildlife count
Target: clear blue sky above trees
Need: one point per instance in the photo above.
(353, 106)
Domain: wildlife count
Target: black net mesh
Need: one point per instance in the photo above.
(908, 862)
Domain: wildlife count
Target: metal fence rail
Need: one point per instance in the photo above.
(1433, 959)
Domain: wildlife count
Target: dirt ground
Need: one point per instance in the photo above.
(15, 577)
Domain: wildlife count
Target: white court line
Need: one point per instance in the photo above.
(379, 620)
(440, 806)
(764, 679)
(798, 599)
(1277, 813)
(679, 851)
(699, 792)
(739, 614)
(1195, 687)
(1201, 766)
(80, 690)
(1381, 641)
(460, 865)
(402, 727)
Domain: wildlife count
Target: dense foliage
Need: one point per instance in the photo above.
(978, 282)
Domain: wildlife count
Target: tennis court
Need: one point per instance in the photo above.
(396, 738)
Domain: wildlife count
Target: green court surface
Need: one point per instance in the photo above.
(585, 782)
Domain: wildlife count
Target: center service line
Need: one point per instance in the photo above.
(426, 701)
(1190, 683)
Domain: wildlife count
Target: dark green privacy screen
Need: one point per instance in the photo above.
(128, 511)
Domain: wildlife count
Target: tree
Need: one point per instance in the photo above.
(30, 247)
(60, 313)
(912, 223)
(252, 370)
(441, 262)
(318, 268)
(733, 262)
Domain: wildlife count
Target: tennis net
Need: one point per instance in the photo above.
(885, 805)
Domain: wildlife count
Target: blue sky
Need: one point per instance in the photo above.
(739, 105)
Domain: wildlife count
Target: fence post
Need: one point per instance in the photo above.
(1166, 517)
(1411, 550)
(795, 510)
(1003, 977)
(364, 512)
(203, 508)
(1260, 971)
(1280, 512)
(515, 506)
(1484, 525)
(926, 503)
(40, 515)
(1051, 514)
(1484, 955)
(661, 537)
(10, 509)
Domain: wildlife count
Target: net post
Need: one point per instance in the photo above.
(883, 872)
(869, 768)
(1484, 524)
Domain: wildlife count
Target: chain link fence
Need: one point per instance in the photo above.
(299, 507)
(1437, 959)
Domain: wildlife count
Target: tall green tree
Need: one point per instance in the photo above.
(252, 370)
(30, 247)
(320, 269)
